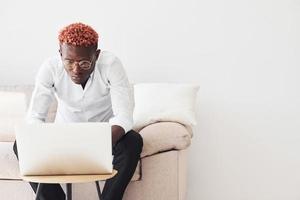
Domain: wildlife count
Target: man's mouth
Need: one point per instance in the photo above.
(76, 75)
(76, 78)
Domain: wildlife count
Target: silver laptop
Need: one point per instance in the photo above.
(64, 148)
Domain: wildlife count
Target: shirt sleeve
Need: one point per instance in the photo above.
(42, 95)
(121, 96)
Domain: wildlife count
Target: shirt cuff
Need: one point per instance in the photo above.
(33, 120)
(125, 123)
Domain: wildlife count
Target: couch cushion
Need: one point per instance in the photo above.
(9, 168)
(12, 111)
(9, 136)
(164, 136)
(156, 102)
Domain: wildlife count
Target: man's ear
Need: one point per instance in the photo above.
(59, 50)
(98, 53)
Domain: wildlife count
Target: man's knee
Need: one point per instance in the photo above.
(135, 141)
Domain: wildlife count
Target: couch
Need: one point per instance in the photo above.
(161, 173)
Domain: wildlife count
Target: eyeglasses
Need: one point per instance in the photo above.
(83, 64)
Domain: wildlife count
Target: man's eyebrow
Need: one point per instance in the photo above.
(77, 60)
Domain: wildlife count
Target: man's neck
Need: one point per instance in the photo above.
(83, 84)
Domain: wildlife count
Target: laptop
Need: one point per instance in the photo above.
(64, 148)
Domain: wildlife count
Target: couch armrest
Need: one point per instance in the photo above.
(164, 136)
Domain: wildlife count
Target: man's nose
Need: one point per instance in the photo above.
(76, 68)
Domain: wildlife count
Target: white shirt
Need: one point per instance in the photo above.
(106, 97)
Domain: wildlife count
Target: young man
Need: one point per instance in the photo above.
(90, 86)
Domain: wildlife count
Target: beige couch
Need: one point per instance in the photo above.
(161, 173)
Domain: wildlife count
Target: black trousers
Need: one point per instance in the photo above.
(126, 156)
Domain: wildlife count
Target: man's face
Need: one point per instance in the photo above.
(79, 62)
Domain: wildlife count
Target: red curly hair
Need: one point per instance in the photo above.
(78, 34)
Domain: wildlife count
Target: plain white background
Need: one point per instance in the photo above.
(243, 53)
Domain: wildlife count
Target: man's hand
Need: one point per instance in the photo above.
(116, 132)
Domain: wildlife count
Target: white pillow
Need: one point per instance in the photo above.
(12, 111)
(156, 102)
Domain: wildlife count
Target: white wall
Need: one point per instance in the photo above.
(243, 53)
